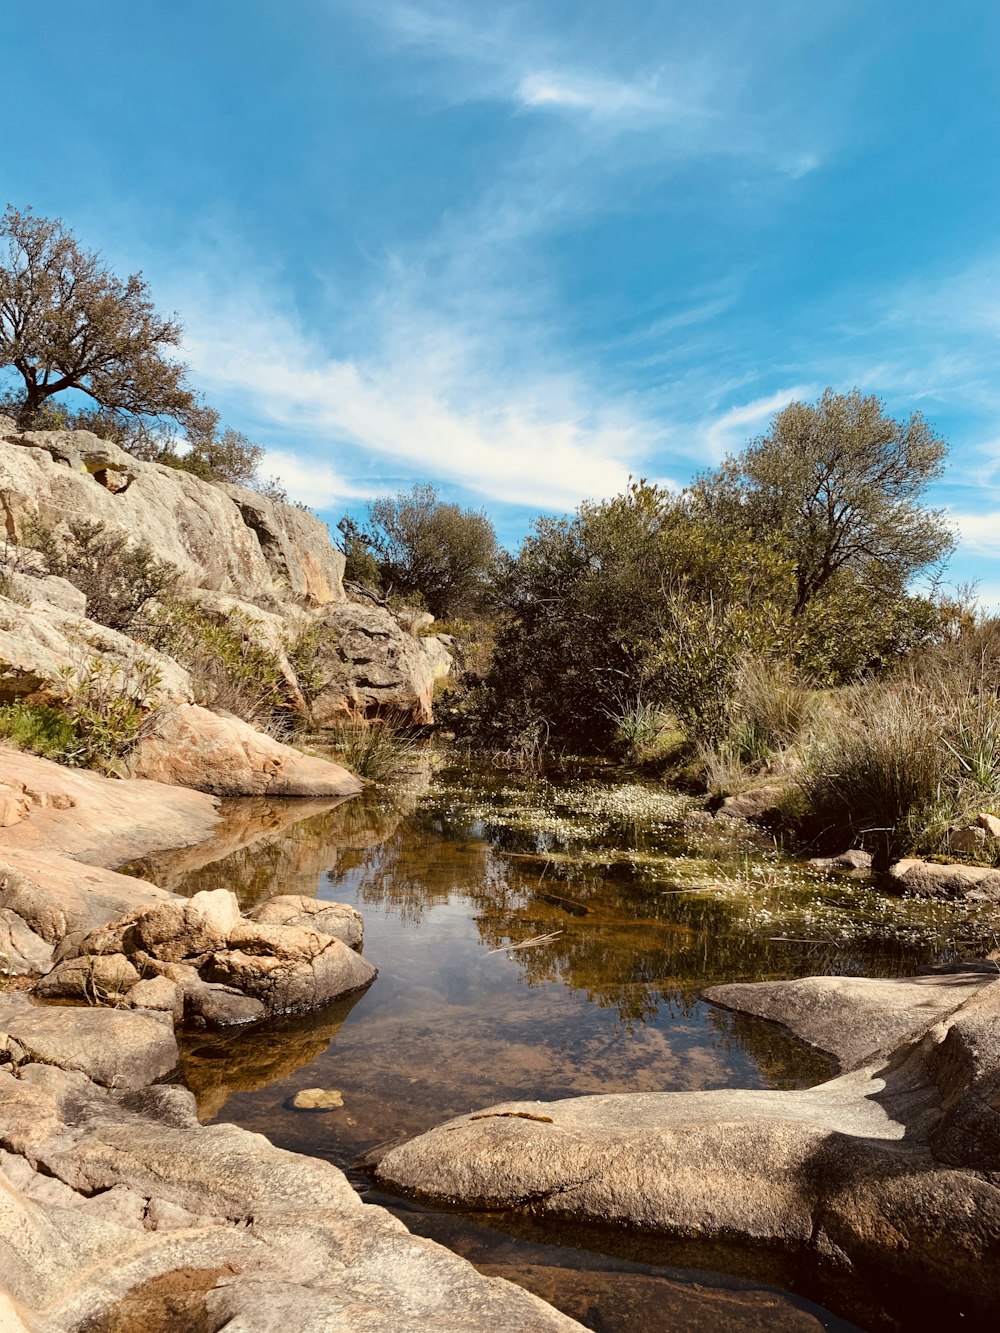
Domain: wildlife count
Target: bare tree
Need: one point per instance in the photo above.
(67, 322)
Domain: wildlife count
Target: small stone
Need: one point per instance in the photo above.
(990, 823)
(317, 1099)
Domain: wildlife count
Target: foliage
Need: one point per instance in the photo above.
(118, 577)
(646, 734)
(305, 654)
(379, 750)
(231, 669)
(836, 486)
(40, 729)
(67, 322)
(360, 565)
(110, 704)
(425, 547)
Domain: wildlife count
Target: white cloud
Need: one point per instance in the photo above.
(731, 430)
(599, 96)
(980, 532)
(542, 440)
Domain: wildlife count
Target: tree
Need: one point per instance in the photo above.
(67, 322)
(836, 486)
(426, 547)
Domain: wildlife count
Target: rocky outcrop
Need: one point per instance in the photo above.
(885, 1168)
(208, 1227)
(758, 804)
(218, 753)
(372, 668)
(236, 552)
(40, 641)
(221, 538)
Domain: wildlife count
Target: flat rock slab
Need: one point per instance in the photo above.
(855, 1019)
(117, 1048)
(101, 821)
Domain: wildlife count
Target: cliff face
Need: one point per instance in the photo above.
(238, 554)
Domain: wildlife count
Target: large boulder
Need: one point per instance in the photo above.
(373, 668)
(890, 1167)
(296, 545)
(212, 752)
(116, 1048)
(99, 820)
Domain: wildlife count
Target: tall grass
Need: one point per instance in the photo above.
(378, 750)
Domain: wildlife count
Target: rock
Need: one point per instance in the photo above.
(219, 537)
(991, 823)
(102, 821)
(296, 547)
(967, 839)
(933, 880)
(290, 970)
(220, 1007)
(15, 804)
(853, 859)
(103, 978)
(115, 1047)
(338, 920)
(759, 803)
(317, 1099)
(437, 652)
(158, 993)
(39, 640)
(27, 588)
(175, 930)
(209, 1227)
(860, 1168)
(698, 821)
(264, 629)
(856, 1019)
(22, 952)
(373, 668)
(59, 898)
(191, 747)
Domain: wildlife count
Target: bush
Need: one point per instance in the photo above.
(110, 707)
(117, 577)
(231, 670)
(40, 729)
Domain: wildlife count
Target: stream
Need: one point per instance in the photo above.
(634, 913)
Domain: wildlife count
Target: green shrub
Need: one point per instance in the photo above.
(40, 729)
(231, 670)
(110, 705)
(117, 577)
(647, 734)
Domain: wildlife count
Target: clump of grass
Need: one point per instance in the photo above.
(647, 734)
(378, 750)
(881, 767)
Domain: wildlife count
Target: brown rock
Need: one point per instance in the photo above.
(116, 1047)
(991, 824)
(192, 747)
(373, 668)
(338, 920)
(759, 803)
(97, 978)
(22, 952)
(967, 839)
(928, 878)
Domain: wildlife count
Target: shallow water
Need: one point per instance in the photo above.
(454, 868)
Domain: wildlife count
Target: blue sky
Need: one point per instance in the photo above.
(523, 250)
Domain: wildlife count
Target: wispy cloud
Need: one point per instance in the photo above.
(728, 432)
(544, 441)
(598, 96)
